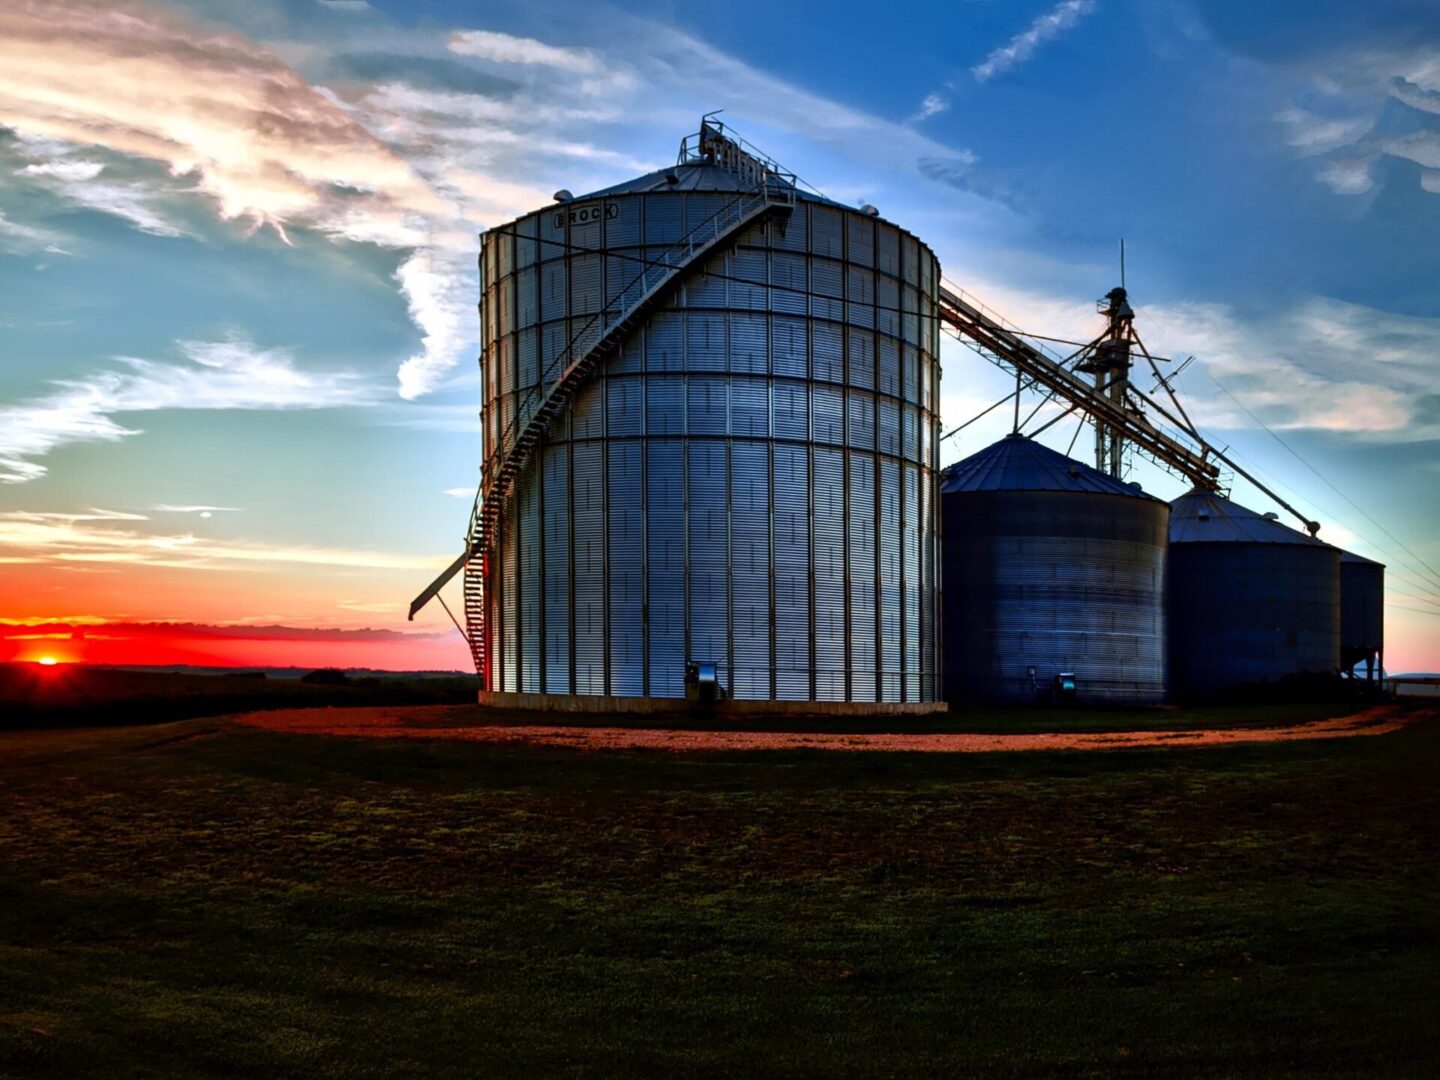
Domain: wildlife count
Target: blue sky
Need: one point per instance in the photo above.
(268, 210)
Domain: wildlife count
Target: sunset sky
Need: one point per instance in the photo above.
(237, 247)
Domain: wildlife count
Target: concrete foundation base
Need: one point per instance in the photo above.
(588, 703)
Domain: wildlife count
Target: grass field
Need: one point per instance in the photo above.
(200, 898)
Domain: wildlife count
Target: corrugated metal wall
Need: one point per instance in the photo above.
(1243, 613)
(1362, 609)
(1058, 582)
(750, 482)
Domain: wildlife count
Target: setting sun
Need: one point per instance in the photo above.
(47, 661)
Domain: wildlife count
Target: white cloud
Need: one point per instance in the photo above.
(1295, 368)
(483, 152)
(440, 289)
(1348, 175)
(505, 49)
(206, 511)
(1298, 369)
(372, 608)
(1312, 133)
(17, 238)
(1342, 129)
(210, 105)
(230, 374)
(413, 169)
(681, 74)
(931, 106)
(1415, 95)
(58, 539)
(1421, 147)
(130, 201)
(1023, 45)
(95, 513)
(70, 171)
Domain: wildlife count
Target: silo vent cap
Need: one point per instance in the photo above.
(564, 195)
(1203, 515)
(870, 210)
(1270, 515)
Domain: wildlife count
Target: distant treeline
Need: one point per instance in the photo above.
(75, 695)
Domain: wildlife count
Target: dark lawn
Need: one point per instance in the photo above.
(202, 899)
(82, 695)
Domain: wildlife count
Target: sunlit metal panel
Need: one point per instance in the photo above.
(860, 543)
(588, 584)
(708, 481)
(793, 644)
(665, 566)
(750, 566)
(743, 482)
(829, 547)
(557, 540)
(625, 567)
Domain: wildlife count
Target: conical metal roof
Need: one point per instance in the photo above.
(692, 176)
(1200, 516)
(1018, 463)
(1351, 557)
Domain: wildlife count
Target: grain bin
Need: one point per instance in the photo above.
(1051, 568)
(741, 472)
(1250, 600)
(1362, 614)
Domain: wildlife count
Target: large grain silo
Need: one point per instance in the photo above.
(1251, 600)
(1053, 570)
(709, 414)
(1362, 614)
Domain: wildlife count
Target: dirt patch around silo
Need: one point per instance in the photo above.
(471, 725)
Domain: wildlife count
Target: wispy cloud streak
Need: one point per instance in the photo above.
(508, 49)
(52, 538)
(230, 374)
(1024, 44)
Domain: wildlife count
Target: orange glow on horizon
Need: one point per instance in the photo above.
(125, 646)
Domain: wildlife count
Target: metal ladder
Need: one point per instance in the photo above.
(585, 355)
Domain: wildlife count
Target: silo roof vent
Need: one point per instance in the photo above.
(1202, 515)
(564, 195)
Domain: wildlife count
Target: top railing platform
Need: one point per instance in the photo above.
(714, 144)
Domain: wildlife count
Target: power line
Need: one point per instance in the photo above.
(1431, 570)
(1428, 588)
(1417, 611)
(1428, 593)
